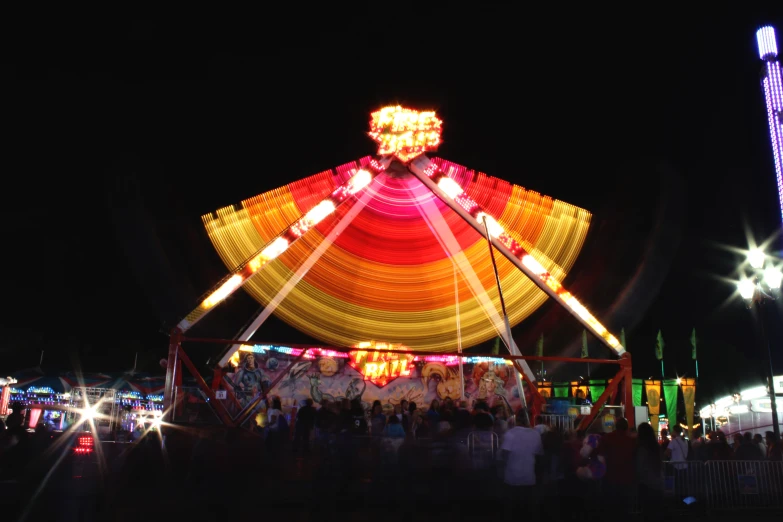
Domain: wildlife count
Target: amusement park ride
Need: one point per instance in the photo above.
(398, 247)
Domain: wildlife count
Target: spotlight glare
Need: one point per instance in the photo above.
(773, 277)
(756, 258)
(746, 288)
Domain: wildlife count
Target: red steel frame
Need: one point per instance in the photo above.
(422, 168)
(622, 381)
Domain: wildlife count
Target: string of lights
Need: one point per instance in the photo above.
(314, 353)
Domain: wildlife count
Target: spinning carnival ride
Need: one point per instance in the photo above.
(396, 248)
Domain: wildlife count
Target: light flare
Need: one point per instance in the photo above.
(405, 133)
(746, 288)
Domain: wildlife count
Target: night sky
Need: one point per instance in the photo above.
(122, 136)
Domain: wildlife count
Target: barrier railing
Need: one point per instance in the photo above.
(719, 485)
(682, 480)
(561, 423)
(687, 486)
(744, 484)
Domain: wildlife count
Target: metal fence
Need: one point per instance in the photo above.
(482, 449)
(744, 484)
(561, 423)
(721, 485)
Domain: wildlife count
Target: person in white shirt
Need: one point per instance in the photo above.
(273, 415)
(521, 445)
(677, 451)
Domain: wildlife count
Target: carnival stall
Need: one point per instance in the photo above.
(56, 399)
(747, 410)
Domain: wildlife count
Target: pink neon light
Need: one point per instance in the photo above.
(312, 353)
(448, 360)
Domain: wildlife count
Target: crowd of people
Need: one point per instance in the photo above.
(745, 446)
(492, 448)
(435, 454)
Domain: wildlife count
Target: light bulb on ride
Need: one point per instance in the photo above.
(746, 288)
(756, 258)
(773, 277)
(88, 414)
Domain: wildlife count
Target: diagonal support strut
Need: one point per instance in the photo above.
(452, 195)
(248, 331)
(242, 274)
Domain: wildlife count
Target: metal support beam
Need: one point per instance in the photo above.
(218, 382)
(623, 377)
(618, 362)
(171, 368)
(275, 247)
(630, 411)
(218, 406)
(424, 169)
(538, 400)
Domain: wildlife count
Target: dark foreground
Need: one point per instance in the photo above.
(205, 475)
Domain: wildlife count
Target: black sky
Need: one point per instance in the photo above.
(124, 135)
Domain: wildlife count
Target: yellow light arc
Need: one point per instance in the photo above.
(345, 298)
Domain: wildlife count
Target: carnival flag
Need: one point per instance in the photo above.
(653, 389)
(597, 388)
(689, 398)
(659, 350)
(545, 389)
(579, 386)
(585, 353)
(670, 397)
(637, 385)
(622, 338)
(693, 344)
(560, 389)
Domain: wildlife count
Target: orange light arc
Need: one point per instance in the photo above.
(386, 276)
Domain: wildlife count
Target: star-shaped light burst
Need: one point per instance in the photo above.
(405, 133)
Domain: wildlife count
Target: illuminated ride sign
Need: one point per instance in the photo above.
(378, 367)
(405, 133)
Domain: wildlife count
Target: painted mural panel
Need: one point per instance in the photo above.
(369, 376)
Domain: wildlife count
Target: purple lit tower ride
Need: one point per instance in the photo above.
(773, 92)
